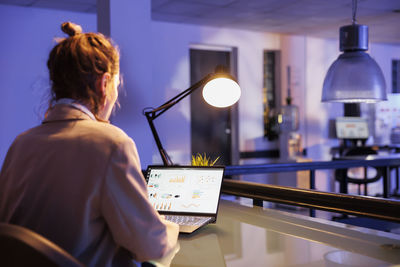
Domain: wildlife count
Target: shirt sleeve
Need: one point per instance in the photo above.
(134, 224)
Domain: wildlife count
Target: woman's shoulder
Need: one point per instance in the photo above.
(84, 132)
(108, 131)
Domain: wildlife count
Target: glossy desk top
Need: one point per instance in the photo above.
(255, 236)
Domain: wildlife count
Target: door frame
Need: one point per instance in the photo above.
(234, 111)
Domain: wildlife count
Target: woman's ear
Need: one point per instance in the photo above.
(104, 83)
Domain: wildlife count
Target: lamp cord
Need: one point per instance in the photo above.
(354, 8)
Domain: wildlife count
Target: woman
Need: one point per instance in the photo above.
(75, 178)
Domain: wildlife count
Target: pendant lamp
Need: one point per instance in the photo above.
(354, 77)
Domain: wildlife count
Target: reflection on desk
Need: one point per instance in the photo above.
(255, 236)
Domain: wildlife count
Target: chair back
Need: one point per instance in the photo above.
(20, 246)
(342, 175)
(360, 151)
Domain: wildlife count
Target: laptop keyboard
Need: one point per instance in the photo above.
(187, 220)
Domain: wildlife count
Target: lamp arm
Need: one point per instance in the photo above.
(156, 112)
(176, 99)
(163, 154)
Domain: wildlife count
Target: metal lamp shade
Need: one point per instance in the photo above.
(354, 77)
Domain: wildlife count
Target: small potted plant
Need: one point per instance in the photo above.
(202, 160)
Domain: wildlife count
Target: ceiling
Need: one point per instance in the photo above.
(319, 18)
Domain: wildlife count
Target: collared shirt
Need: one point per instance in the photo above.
(74, 103)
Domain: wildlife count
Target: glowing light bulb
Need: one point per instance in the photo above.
(221, 92)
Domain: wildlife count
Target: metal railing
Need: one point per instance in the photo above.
(380, 208)
(385, 163)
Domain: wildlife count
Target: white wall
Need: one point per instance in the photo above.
(27, 36)
(320, 54)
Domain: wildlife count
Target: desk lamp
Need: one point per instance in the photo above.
(220, 90)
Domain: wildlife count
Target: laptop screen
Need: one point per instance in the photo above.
(184, 189)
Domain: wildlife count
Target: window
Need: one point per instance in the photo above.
(395, 76)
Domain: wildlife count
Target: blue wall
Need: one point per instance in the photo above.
(27, 36)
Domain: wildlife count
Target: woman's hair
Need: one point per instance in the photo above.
(77, 62)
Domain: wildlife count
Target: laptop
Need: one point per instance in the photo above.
(186, 195)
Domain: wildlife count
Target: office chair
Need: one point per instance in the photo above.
(342, 175)
(20, 246)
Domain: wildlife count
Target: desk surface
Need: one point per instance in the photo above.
(255, 236)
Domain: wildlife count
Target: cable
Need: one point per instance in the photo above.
(354, 11)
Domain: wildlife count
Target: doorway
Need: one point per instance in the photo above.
(213, 130)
